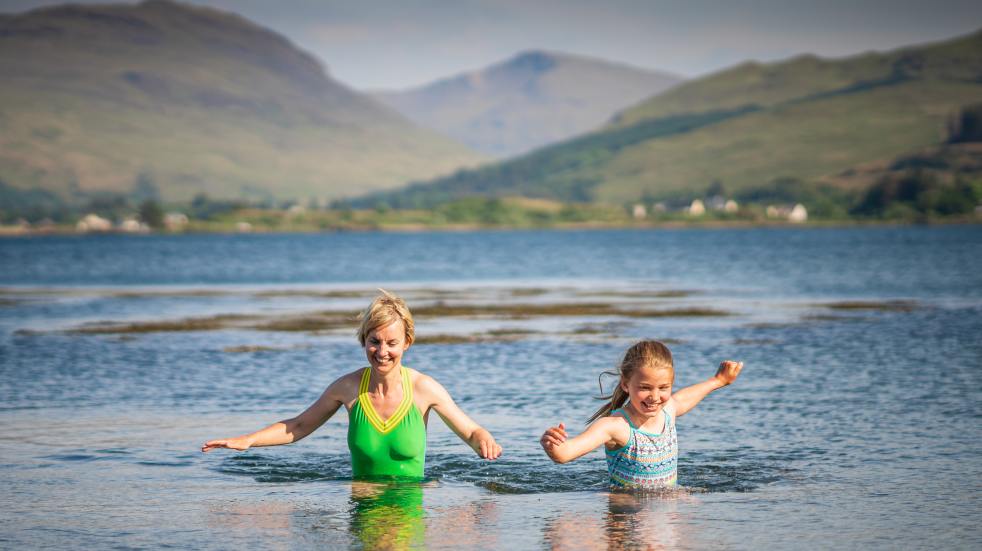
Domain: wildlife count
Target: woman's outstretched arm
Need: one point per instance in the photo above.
(479, 439)
(289, 430)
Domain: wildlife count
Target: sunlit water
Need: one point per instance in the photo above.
(850, 427)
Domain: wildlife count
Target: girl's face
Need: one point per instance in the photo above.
(384, 346)
(649, 389)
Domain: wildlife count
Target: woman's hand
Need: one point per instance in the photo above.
(553, 436)
(240, 443)
(728, 371)
(484, 445)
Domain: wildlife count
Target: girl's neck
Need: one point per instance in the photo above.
(647, 424)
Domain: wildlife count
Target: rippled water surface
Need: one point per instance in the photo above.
(857, 422)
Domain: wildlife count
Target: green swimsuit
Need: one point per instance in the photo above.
(395, 447)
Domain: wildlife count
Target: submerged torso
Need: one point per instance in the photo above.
(395, 447)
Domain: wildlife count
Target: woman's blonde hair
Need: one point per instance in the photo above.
(386, 309)
(647, 353)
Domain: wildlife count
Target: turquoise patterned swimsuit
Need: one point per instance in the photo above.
(648, 460)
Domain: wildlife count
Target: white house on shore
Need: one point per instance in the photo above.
(133, 225)
(798, 214)
(175, 221)
(93, 223)
(697, 208)
(795, 214)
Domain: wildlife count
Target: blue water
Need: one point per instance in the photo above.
(852, 426)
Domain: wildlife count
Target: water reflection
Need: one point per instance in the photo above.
(631, 521)
(272, 522)
(388, 515)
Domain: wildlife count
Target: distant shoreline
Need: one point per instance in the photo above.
(63, 231)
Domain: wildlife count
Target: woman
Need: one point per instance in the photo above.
(388, 404)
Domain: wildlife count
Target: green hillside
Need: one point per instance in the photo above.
(180, 100)
(805, 118)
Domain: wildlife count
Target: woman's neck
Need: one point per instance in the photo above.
(382, 383)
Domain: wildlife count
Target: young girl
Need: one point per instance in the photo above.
(637, 426)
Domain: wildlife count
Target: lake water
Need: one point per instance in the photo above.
(857, 422)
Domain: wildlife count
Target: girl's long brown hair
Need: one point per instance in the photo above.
(643, 354)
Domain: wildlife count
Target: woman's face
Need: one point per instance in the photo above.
(384, 346)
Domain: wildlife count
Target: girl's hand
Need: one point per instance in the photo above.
(239, 443)
(728, 371)
(553, 436)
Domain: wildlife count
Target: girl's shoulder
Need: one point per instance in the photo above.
(616, 416)
(617, 428)
(670, 408)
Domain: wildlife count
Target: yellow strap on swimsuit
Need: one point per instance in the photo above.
(395, 447)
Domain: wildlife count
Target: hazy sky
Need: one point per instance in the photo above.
(402, 43)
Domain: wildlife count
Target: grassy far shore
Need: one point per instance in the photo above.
(907, 198)
(494, 215)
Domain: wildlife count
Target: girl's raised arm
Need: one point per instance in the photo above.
(688, 397)
(288, 430)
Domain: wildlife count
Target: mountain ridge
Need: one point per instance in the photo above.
(531, 99)
(805, 118)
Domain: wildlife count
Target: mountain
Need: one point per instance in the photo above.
(533, 99)
(806, 118)
(177, 99)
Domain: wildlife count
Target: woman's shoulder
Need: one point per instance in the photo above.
(427, 388)
(347, 385)
(352, 376)
(420, 380)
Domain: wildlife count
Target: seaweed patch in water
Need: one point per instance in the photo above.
(671, 293)
(506, 334)
(321, 322)
(884, 306)
(528, 292)
(827, 317)
(328, 320)
(755, 342)
(314, 294)
(188, 324)
(521, 311)
(174, 294)
(442, 338)
(251, 348)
